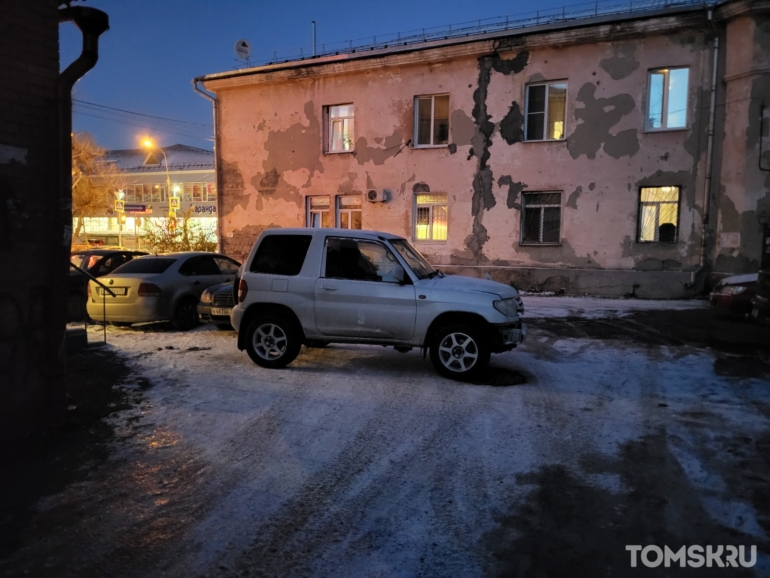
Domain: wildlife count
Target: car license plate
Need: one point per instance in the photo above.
(116, 290)
(220, 311)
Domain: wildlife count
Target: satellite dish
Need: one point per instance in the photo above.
(242, 49)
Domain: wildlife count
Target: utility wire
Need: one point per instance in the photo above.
(141, 114)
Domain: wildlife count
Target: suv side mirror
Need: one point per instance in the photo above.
(398, 273)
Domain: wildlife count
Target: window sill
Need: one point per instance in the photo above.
(654, 130)
(546, 140)
(442, 146)
(428, 242)
(540, 244)
(664, 243)
(339, 152)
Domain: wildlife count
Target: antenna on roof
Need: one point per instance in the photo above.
(243, 50)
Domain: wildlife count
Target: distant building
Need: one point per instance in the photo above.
(146, 195)
(573, 155)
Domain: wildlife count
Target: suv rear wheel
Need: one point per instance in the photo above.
(459, 352)
(272, 341)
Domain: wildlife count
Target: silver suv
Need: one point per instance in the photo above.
(320, 286)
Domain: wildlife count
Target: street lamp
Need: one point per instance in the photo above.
(147, 143)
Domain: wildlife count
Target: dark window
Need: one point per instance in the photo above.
(541, 218)
(201, 265)
(281, 254)
(146, 265)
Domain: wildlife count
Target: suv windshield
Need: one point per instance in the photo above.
(417, 262)
(145, 265)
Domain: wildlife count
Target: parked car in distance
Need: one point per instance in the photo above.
(734, 294)
(351, 286)
(97, 262)
(158, 288)
(216, 304)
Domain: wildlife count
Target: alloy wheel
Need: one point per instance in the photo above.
(270, 341)
(458, 352)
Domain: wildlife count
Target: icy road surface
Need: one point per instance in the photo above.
(361, 461)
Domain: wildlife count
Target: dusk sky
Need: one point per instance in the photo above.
(154, 48)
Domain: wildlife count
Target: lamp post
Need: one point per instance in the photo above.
(150, 145)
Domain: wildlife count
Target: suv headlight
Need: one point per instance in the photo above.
(732, 289)
(508, 307)
(206, 297)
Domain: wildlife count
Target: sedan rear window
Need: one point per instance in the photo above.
(281, 254)
(145, 265)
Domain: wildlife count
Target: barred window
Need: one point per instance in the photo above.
(541, 218)
(658, 214)
(431, 214)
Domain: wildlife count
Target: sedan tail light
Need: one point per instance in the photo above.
(243, 290)
(148, 290)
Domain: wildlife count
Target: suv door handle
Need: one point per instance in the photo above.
(329, 287)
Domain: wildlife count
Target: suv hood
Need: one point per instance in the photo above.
(469, 285)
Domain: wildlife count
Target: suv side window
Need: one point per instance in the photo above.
(227, 266)
(359, 260)
(281, 255)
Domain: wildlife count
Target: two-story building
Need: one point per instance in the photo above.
(616, 153)
(148, 185)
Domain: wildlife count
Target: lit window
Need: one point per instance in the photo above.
(546, 107)
(431, 120)
(541, 219)
(130, 194)
(318, 212)
(658, 214)
(197, 192)
(212, 191)
(667, 98)
(430, 217)
(349, 212)
(340, 127)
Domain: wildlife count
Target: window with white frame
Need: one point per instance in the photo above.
(349, 212)
(340, 128)
(431, 120)
(658, 214)
(545, 111)
(667, 98)
(541, 218)
(318, 214)
(431, 215)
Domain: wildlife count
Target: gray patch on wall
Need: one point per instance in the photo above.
(461, 127)
(296, 147)
(512, 202)
(622, 62)
(233, 187)
(378, 155)
(512, 126)
(573, 197)
(598, 116)
(483, 196)
(347, 187)
(420, 188)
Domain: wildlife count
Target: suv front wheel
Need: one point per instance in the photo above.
(272, 342)
(459, 352)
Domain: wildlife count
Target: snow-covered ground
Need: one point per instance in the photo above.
(361, 461)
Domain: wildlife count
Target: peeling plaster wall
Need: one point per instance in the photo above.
(744, 192)
(272, 138)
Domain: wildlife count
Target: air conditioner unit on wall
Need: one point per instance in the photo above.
(376, 195)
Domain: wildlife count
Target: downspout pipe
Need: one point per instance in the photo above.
(217, 176)
(709, 148)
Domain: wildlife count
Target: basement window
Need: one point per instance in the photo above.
(658, 214)
(545, 111)
(541, 219)
(431, 120)
(318, 214)
(340, 128)
(667, 98)
(431, 214)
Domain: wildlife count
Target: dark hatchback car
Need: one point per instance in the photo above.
(97, 262)
(760, 304)
(216, 304)
(734, 294)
